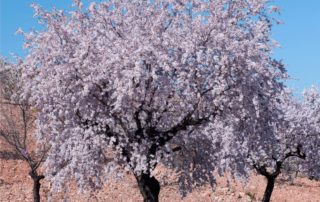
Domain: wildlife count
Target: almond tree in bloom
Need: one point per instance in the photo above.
(293, 135)
(17, 124)
(130, 78)
(268, 157)
(311, 142)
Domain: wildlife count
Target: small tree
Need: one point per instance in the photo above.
(292, 135)
(17, 125)
(134, 77)
(311, 142)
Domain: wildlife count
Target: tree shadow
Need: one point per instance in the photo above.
(9, 155)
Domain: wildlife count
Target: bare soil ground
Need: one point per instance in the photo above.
(16, 186)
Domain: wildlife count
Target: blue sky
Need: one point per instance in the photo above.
(300, 41)
(299, 36)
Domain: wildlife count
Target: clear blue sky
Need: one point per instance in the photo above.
(299, 36)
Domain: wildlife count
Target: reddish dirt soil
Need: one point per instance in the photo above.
(16, 186)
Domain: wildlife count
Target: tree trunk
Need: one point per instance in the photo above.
(269, 189)
(149, 187)
(36, 190)
(36, 185)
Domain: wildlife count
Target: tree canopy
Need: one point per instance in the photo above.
(146, 79)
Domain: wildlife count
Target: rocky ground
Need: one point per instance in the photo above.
(16, 185)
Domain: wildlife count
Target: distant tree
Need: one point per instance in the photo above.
(268, 158)
(292, 137)
(311, 142)
(17, 124)
(134, 77)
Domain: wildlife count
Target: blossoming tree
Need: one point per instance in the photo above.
(268, 157)
(17, 124)
(133, 77)
(290, 137)
(311, 141)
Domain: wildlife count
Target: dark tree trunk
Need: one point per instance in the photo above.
(36, 185)
(269, 189)
(36, 190)
(149, 187)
